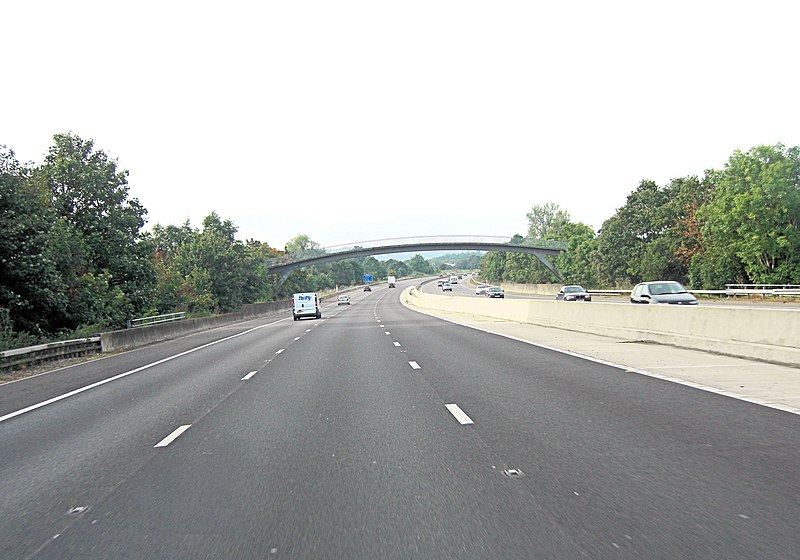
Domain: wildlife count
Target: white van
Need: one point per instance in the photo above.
(454, 279)
(306, 305)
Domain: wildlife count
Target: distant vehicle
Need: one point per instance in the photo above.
(447, 287)
(495, 291)
(573, 293)
(439, 283)
(664, 291)
(367, 288)
(343, 300)
(454, 279)
(306, 304)
(481, 289)
(391, 281)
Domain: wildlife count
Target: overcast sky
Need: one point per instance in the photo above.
(351, 121)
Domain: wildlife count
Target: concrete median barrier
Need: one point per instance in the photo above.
(770, 335)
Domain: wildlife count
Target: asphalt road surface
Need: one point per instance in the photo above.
(379, 432)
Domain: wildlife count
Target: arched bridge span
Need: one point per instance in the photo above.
(540, 249)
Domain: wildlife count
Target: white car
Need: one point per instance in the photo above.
(343, 300)
(447, 287)
(481, 289)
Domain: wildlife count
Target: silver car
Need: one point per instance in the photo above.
(663, 291)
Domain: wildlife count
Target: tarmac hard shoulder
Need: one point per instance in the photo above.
(762, 383)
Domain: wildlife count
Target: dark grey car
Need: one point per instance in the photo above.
(665, 291)
(573, 293)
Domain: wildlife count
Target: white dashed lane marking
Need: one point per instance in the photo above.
(459, 414)
(173, 436)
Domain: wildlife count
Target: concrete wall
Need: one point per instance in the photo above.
(538, 289)
(771, 335)
(140, 336)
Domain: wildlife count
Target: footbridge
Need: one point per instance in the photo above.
(540, 248)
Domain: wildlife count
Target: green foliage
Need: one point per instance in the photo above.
(545, 221)
(418, 264)
(91, 198)
(493, 265)
(30, 285)
(374, 267)
(754, 215)
(208, 270)
(397, 268)
(576, 263)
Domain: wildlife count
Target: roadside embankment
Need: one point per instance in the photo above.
(770, 335)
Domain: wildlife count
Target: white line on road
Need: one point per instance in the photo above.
(386, 332)
(280, 351)
(127, 373)
(249, 375)
(296, 338)
(414, 365)
(396, 343)
(173, 436)
(456, 411)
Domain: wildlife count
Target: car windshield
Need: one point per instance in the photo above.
(572, 289)
(664, 288)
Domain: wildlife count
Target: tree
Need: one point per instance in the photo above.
(755, 214)
(417, 263)
(302, 246)
(374, 267)
(623, 238)
(493, 266)
(576, 264)
(30, 286)
(546, 220)
(100, 221)
(397, 268)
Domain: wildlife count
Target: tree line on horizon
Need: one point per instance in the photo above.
(75, 258)
(737, 225)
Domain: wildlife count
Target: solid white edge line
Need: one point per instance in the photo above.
(627, 369)
(173, 436)
(459, 414)
(249, 375)
(125, 374)
(414, 365)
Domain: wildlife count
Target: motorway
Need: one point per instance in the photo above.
(380, 432)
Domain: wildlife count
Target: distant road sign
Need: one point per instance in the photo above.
(367, 278)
